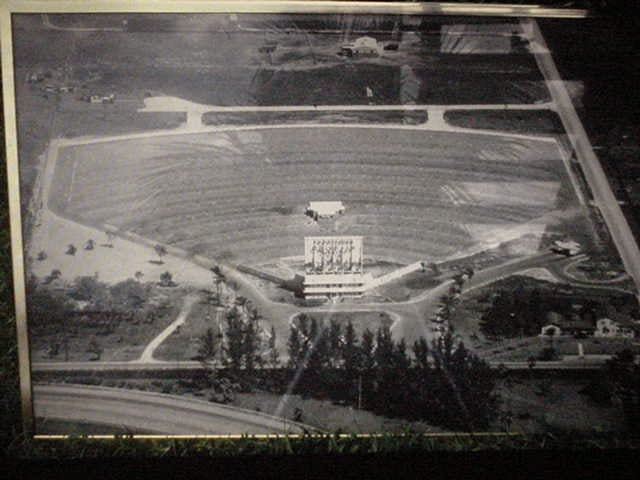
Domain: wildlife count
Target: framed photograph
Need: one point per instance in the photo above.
(291, 217)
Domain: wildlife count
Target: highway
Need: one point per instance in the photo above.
(153, 412)
(62, 367)
(602, 193)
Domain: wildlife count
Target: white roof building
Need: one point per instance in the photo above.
(363, 45)
(325, 209)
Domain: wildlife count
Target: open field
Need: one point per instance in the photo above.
(327, 415)
(183, 344)
(537, 404)
(361, 320)
(241, 195)
(303, 70)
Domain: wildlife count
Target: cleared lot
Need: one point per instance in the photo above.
(241, 194)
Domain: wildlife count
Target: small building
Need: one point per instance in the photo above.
(35, 77)
(551, 330)
(616, 328)
(568, 247)
(365, 46)
(99, 98)
(318, 210)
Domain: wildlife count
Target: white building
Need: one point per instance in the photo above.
(361, 46)
(551, 330)
(568, 247)
(324, 209)
(606, 327)
(334, 267)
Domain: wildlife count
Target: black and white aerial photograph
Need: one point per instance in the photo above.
(272, 224)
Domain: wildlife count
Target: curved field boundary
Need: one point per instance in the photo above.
(236, 199)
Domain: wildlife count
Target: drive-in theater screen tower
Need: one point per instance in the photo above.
(333, 266)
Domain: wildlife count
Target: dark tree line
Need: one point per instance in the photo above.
(523, 312)
(441, 383)
(514, 313)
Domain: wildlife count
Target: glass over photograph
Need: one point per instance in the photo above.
(306, 223)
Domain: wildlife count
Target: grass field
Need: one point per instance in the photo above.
(361, 320)
(184, 343)
(242, 194)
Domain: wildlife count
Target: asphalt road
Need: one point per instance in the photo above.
(153, 412)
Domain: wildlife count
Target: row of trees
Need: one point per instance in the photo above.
(241, 345)
(442, 382)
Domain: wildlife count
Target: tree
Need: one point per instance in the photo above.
(218, 278)
(304, 326)
(166, 279)
(242, 302)
(47, 311)
(434, 267)
(623, 374)
(54, 275)
(89, 289)
(465, 387)
(468, 271)
(110, 237)
(218, 282)
(421, 354)
(95, 349)
(89, 245)
(138, 276)
(42, 255)
(234, 345)
(252, 343)
(209, 344)
(129, 295)
(71, 249)
(368, 349)
(217, 271)
(294, 347)
(161, 251)
(319, 350)
(423, 379)
(384, 346)
(351, 358)
(368, 364)
(351, 362)
(273, 356)
(334, 343)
